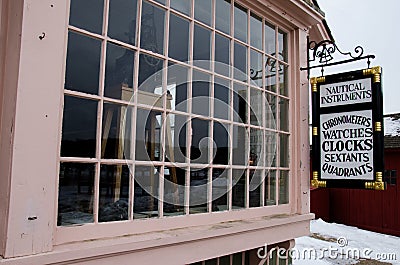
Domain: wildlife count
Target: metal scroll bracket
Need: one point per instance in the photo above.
(323, 51)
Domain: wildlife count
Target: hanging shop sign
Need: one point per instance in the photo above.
(347, 132)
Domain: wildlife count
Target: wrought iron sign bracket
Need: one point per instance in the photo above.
(323, 51)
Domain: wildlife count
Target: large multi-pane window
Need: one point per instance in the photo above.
(172, 107)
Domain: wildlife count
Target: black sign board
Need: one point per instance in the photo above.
(347, 132)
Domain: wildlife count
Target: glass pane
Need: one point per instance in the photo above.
(83, 63)
(116, 132)
(282, 45)
(200, 142)
(256, 68)
(270, 111)
(122, 20)
(237, 259)
(175, 138)
(256, 110)
(238, 188)
(221, 98)
(177, 88)
(226, 260)
(284, 150)
(284, 187)
(160, 1)
(222, 55)
(256, 31)
(174, 191)
(183, 6)
(270, 188)
(152, 28)
(269, 34)
(240, 103)
(270, 74)
(239, 143)
(79, 127)
(240, 62)
(221, 143)
(284, 114)
(211, 262)
(256, 147)
(201, 93)
(114, 193)
(87, 15)
(148, 135)
(283, 80)
(198, 190)
(202, 11)
(178, 38)
(75, 193)
(223, 15)
(240, 23)
(119, 72)
(220, 187)
(150, 80)
(255, 182)
(202, 47)
(271, 148)
(146, 192)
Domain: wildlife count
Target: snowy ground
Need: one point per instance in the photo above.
(339, 244)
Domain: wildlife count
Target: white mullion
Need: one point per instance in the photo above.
(188, 139)
(247, 189)
(209, 189)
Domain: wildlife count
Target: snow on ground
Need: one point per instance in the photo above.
(332, 243)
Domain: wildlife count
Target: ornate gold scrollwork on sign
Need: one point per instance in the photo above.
(375, 71)
(316, 183)
(378, 184)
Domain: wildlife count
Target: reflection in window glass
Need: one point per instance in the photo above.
(202, 11)
(284, 150)
(152, 28)
(116, 136)
(182, 6)
(256, 147)
(240, 23)
(177, 88)
(75, 194)
(201, 93)
(87, 15)
(198, 190)
(122, 20)
(148, 135)
(114, 193)
(200, 142)
(256, 68)
(175, 138)
(178, 38)
(174, 191)
(240, 62)
(270, 74)
(256, 31)
(151, 75)
(220, 187)
(256, 110)
(284, 187)
(269, 34)
(221, 98)
(271, 148)
(284, 114)
(202, 46)
(239, 142)
(270, 111)
(119, 72)
(282, 45)
(83, 75)
(240, 103)
(283, 80)
(270, 188)
(237, 259)
(255, 181)
(221, 143)
(222, 55)
(146, 192)
(160, 1)
(79, 127)
(223, 15)
(238, 188)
